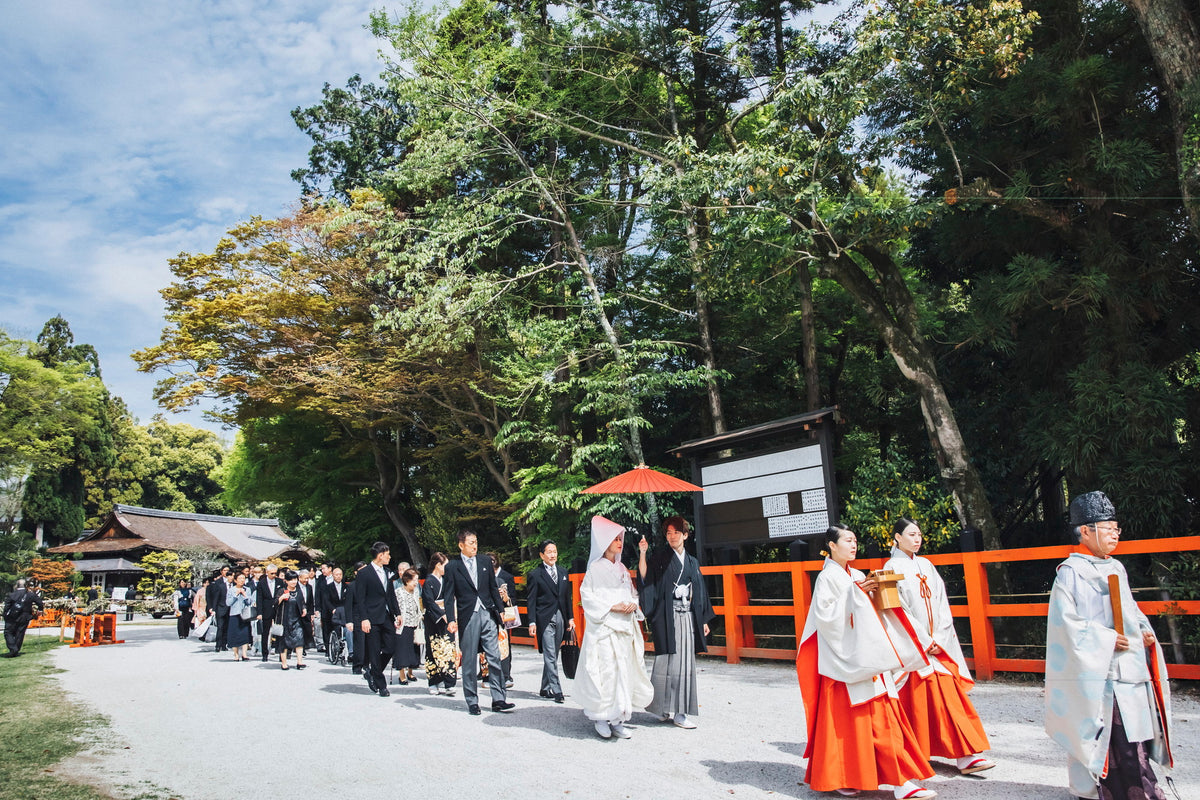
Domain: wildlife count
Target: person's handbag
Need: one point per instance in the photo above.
(511, 617)
(502, 642)
(201, 629)
(568, 654)
(277, 629)
(247, 612)
(210, 634)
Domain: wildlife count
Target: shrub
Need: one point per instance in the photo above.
(883, 491)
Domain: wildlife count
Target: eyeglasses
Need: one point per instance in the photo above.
(1108, 528)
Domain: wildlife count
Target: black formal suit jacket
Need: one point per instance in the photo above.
(328, 599)
(216, 596)
(348, 601)
(544, 597)
(19, 604)
(461, 594)
(309, 593)
(267, 598)
(374, 602)
(432, 591)
(656, 593)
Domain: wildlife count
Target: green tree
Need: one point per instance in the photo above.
(162, 572)
(1076, 274)
(52, 424)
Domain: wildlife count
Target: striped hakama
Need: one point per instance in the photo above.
(674, 677)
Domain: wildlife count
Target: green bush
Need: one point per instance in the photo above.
(883, 491)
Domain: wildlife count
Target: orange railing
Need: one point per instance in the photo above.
(737, 608)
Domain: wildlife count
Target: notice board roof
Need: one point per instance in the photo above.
(765, 430)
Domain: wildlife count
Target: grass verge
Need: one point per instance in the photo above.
(39, 728)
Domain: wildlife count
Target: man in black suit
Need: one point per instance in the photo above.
(269, 589)
(309, 595)
(549, 602)
(473, 607)
(354, 634)
(377, 613)
(324, 578)
(216, 596)
(331, 595)
(18, 613)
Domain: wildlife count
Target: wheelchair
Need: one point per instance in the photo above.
(336, 652)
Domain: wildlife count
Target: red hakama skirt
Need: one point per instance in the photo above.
(860, 747)
(943, 718)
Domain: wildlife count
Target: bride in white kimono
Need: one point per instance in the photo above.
(611, 680)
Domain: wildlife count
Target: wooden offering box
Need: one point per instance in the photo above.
(887, 595)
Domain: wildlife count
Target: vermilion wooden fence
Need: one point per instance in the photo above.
(738, 609)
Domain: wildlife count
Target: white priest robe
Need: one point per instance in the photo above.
(1085, 673)
(923, 593)
(857, 736)
(611, 680)
(853, 642)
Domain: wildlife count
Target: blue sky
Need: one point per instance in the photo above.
(131, 131)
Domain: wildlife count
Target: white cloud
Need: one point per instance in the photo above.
(132, 131)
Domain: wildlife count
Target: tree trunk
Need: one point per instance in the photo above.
(390, 481)
(1172, 32)
(704, 321)
(887, 302)
(808, 337)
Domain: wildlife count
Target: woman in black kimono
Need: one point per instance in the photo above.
(289, 612)
(440, 665)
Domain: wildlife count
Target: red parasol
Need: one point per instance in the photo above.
(641, 479)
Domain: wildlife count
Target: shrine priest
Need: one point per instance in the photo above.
(1107, 696)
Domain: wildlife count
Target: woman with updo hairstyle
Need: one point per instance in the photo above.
(934, 697)
(290, 610)
(407, 655)
(858, 737)
(440, 663)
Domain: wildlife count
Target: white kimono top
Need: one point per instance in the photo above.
(853, 642)
(610, 680)
(923, 594)
(1085, 673)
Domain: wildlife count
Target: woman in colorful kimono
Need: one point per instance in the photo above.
(934, 697)
(858, 738)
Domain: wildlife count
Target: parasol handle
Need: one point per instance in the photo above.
(1114, 594)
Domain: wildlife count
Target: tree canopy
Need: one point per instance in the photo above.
(550, 242)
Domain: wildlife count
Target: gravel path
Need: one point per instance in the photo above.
(194, 724)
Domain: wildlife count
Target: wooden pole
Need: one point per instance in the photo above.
(1114, 594)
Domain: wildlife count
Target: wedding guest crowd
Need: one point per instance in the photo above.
(885, 686)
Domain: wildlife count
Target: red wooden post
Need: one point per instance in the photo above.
(741, 599)
(801, 598)
(979, 601)
(733, 624)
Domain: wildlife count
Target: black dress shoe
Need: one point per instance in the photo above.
(502, 706)
(383, 692)
(473, 710)
(357, 669)
(371, 681)
(546, 693)
(558, 698)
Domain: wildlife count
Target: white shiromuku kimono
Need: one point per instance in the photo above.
(610, 681)
(924, 596)
(1086, 674)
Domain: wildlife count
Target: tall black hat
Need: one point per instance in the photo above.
(1090, 508)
